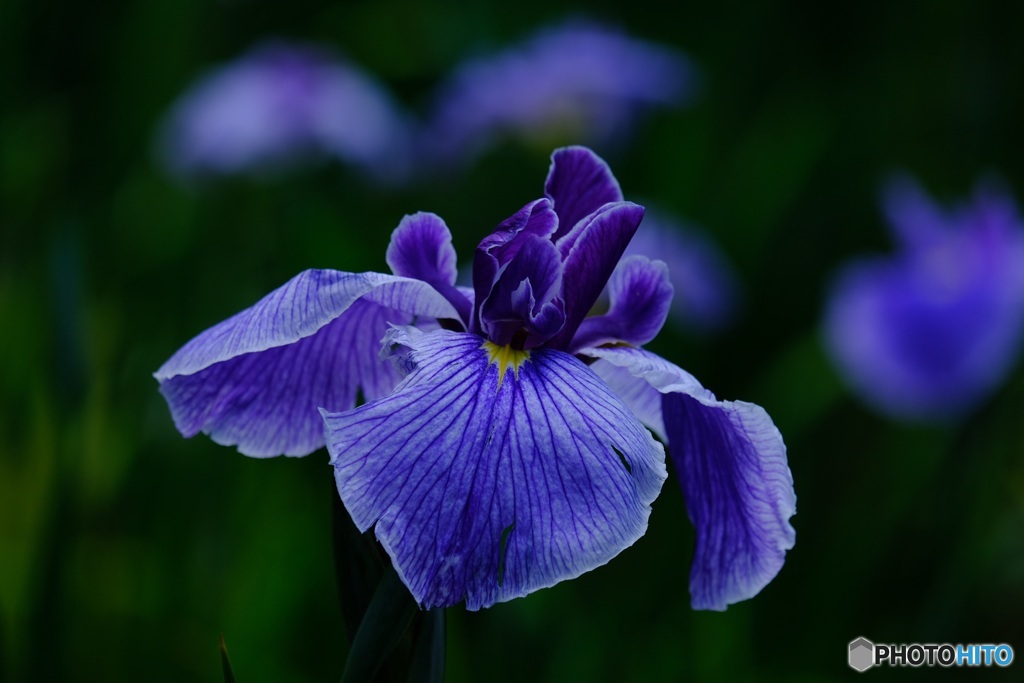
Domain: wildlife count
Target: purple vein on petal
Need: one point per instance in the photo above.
(530, 455)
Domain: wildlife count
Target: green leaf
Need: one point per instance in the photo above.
(385, 623)
(229, 675)
(428, 657)
(357, 566)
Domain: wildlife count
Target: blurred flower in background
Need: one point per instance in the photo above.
(283, 105)
(579, 81)
(707, 288)
(930, 331)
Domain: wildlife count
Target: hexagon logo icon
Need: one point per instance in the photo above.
(862, 654)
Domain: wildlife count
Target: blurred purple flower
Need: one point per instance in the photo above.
(930, 331)
(502, 447)
(576, 82)
(281, 105)
(707, 290)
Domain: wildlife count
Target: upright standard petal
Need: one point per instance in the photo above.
(421, 248)
(497, 250)
(596, 247)
(522, 303)
(707, 290)
(732, 468)
(491, 473)
(257, 379)
(579, 183)
(640, 296)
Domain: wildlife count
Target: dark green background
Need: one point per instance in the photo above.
(125, 550)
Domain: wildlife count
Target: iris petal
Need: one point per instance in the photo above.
(733, 471)
(640, 296)
(536, 219)
(591, 259)
(739, 494)
(641, 398)
(523, 295)
(486, 486)
(257, 379)
(579, 183)
(421, 248)
(913, 217)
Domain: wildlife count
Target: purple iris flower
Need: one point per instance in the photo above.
(580, 80)
(502, 447)
(707, 290)
(932, 330)
(281, 105)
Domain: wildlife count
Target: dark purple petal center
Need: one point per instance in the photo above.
(524, 307)
(517, 276)
(539, 273)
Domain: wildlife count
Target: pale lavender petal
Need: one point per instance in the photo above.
(257, 379)
(421, 248)
(639, 378)
(485, 488)
(591, 259)
(281, 104)
(579, 183)
(732, 466)
(577, 82)
(640, 295)
(266, 402)
(357, 120)
(639, 395)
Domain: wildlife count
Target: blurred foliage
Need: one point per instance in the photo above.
(125, 550)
